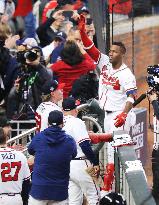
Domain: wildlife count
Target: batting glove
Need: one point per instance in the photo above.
(82, 23)
(120, 119)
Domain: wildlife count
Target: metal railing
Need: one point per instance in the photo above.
(24, 139)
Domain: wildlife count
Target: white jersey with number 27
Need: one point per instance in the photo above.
(13, 170)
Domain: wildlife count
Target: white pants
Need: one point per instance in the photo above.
(33, 201)
(82, 183)
(11, 200)
(109, 127)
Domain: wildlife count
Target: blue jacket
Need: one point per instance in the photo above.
(53, 150)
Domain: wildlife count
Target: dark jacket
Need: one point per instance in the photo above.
(45, 34)
(37, 78)
(53, 150)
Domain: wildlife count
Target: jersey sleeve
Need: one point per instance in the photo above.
(103, 61)
(129, 83)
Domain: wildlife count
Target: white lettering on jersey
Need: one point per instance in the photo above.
(8, 156)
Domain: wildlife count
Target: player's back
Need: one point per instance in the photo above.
(14, 170)
(76, 128)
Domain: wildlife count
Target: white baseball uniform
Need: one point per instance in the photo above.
(13, 171)
(80, 181)
(114, 84)
(42, 114)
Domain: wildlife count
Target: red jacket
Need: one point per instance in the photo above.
(68, 74)
(23, 7)
(120, 8)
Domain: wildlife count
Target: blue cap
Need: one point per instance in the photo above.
(51, 86)
(69, 104)
(61, 35)
(55, 118)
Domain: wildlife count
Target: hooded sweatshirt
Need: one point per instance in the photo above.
(53, 150)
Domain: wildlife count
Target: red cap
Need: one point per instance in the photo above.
(60, 86)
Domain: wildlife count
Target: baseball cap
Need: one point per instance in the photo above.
(69, 104)
(4, 121)
(29, 42)
(61, 35)
(55, 118)
(51, 86)
(84, 9)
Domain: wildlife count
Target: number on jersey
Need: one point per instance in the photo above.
(10, 171)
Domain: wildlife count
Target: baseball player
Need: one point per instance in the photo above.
(80, 181)
(117, 89)
(55, 92)
(14, 174)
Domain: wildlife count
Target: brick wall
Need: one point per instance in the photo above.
(146, 41)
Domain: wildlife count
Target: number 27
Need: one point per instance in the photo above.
(7, 167)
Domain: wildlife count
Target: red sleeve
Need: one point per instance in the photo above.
(90, 47)
(54, 67)
(89, 62)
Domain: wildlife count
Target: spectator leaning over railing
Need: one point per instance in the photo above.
(117, 89)
(74, 63)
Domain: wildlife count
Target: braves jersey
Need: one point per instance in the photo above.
(13, 170)
(114, 85)
(42, 114)
(77, 129)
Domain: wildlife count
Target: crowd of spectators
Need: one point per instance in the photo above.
(34, 50)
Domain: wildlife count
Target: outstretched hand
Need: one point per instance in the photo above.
(82, 23)
(120, 119)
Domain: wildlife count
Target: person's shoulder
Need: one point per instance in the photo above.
(38, 137)
(103, 58)
(125, 69)
(78, 121)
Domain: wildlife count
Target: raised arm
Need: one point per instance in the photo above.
(87, 42)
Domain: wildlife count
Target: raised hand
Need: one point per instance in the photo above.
(82, 23)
